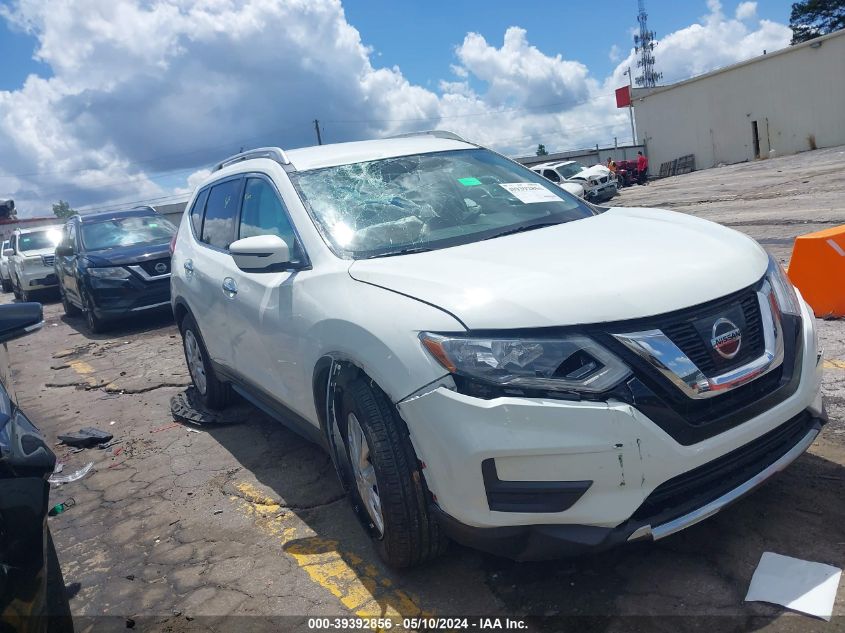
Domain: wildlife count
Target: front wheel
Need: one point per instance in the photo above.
(70, 309)
(95, 323)
(215, 394)
(16, 290)
(388, 489)
(7, 285)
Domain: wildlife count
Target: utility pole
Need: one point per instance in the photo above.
(317, 127)
(630, 106)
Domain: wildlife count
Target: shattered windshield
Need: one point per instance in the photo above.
(567, 171)
(429, 201)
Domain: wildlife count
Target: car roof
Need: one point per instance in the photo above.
(362, 151)
(33, 229)
(113, 215)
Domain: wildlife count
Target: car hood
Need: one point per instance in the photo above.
(37, 252)
(625, 263)
(122, 255)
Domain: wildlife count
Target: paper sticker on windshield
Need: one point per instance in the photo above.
(529, 192)
(469, 182)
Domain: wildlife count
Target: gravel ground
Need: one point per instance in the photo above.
(182, 528)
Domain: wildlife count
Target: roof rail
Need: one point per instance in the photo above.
(273, 153)
(436, 133)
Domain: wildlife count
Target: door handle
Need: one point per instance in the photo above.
(188, 266)
(230, 287)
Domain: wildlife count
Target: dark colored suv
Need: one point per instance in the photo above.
(114, 264)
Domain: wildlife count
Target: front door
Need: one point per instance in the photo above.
(265, 326)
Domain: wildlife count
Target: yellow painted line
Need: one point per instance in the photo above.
(81, 367)
(85, 370)
(358, 585)
(834, 364)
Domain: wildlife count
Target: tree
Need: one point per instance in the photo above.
(811, 18)
(541, 150)
(62, 209)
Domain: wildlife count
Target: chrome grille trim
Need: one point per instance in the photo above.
(668, 359)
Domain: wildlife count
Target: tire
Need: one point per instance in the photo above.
(7, 285)
(26, 296)
(70, 309)
(409, 534)
(215, 394)
(95, 324)
(16, 290)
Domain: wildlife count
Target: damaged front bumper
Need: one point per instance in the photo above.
(772, 454)
(534, 478)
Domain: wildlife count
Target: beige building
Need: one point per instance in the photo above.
(784, 102)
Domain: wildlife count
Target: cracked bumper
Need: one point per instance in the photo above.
(621, 452)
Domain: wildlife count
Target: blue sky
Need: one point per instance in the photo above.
(421, 36)
(131, 100)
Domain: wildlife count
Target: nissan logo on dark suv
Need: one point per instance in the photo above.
(726, 338)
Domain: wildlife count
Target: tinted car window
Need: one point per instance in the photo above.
(197, 211)
(220, 212)
(263, 213)
(131, 231)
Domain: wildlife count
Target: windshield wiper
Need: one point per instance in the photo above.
(403, 251)
(523, 229)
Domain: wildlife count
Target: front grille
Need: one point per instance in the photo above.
(689, 420)
(150, 267)
(710, 481)
(48, 260)
(696, 344)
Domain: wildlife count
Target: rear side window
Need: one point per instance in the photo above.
(221, 209)
(263, 213)
(197, 211)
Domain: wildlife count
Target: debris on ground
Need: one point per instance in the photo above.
(86, 437)
(61, 507)
(66, 479)
(186, 406)
(796, 584)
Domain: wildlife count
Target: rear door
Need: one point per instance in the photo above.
(212, 268)
(265, 326)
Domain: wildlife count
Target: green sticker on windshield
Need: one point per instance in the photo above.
(469, 182)
(153, 225)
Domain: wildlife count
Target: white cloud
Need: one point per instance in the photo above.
(615, 53)
(142, 89)
(715, 41)
(746, 11)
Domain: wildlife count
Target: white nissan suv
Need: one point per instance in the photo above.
(487, 357)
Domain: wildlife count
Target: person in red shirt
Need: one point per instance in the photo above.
(642, 168)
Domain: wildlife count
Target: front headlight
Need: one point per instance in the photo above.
(571, 363)
(783, 288)
(113, 272)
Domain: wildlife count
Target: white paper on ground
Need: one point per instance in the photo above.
(529, 192)
(797, 584)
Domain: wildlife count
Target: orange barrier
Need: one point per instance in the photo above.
(817, 269)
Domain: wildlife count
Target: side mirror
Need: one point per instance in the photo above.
(8, 252)
(19, 319)
(63, 250)
(261, 254)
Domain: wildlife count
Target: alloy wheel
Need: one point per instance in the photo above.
(196, 367)
(365, 474)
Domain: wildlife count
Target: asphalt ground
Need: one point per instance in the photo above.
(244, 526)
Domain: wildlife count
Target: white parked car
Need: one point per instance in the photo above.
(5, 278)
(598, 181)
(31, 258)
(486, 357)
